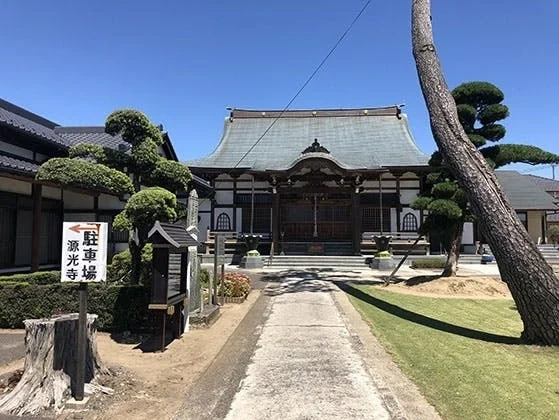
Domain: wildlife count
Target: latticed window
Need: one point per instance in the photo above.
(409, 223)
(370, 219)
(223, 222)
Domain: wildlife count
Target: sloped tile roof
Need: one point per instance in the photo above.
(547, 184)
(93, 135)
(20, 119)
(358, 138)
(523, 193)
(10, 164)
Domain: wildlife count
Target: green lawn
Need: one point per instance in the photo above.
(464, 354)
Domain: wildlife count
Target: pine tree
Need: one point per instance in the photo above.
(480, 109)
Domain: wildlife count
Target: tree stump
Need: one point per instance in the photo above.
(50, 364)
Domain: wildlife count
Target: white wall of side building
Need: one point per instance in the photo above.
(535, 225)
(15, 186)
(74, 200)
(110, 202)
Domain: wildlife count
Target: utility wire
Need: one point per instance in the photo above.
(536, 169)
(317, 69)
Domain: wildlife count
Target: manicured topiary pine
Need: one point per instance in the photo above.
(480, 109)
(103, 169)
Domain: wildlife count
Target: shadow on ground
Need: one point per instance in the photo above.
(425, 320)
(308, 280)
(414, 281)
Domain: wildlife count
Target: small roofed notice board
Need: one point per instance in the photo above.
(84, 251)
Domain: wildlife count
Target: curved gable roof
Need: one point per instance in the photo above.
(360, 138)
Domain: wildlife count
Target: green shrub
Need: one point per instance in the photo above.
(236, 285)
(553, 234)
(120, 267)
(433, 262)
(83, 174)
(39, 277)
(204, 278)
(119, 307)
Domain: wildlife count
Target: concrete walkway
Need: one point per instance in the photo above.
(305, 365)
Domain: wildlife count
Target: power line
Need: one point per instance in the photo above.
(538, 168)
(316, 70)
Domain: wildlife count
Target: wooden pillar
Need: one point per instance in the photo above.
(234, 176)
(398, 204)
(36, 192)
(276, 223)
(356, 222)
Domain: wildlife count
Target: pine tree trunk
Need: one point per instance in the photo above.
(451, 265)
(533, 285)
(50, 363)
(135, 260)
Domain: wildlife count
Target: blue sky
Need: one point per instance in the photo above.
(183, 63)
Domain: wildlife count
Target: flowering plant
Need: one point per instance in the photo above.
(236, 285)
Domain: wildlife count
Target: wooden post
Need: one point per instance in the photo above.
(213, 287)
(398, 203)
(356, 223)
(222, 284)
(163, 328)
(276, 222)
(82, 342)
(36, 192)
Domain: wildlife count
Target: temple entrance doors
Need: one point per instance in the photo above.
(315, 217)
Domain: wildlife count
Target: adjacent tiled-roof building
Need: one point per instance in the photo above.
(32, 211)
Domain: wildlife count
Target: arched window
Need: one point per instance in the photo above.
(223, 222)
(409, 223)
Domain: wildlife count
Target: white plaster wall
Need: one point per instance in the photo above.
(409, 184)
(535, 224)
(204, 225)
(393, 221)
(51, 192)
(224, 197)
(204, 204)
(110, 202)
(73, 200)
(407, 196)
(16, 150)
(15, 186)
(224, 184)
(240, 220)
(468, 234)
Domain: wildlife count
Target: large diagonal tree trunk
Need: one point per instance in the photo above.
(534, 286)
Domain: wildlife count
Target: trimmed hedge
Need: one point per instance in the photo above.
(434, 262)
(39, 277)
(119, 307)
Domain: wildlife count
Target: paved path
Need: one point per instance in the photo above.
(305, 366)
(303, 352)
(12, 345)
